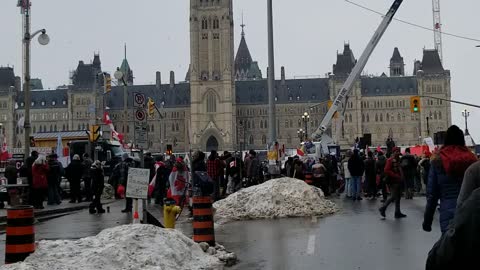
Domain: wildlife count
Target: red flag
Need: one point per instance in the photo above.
(106, 119)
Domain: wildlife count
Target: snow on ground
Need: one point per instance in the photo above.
(125, 247)
(277, 198)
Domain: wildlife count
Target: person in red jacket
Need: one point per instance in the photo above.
(394, 176)
(40, 183)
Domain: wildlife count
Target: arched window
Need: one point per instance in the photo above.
(211, 103)
(376, 117)
(368, 117)
(251, 141)
(264, 139)
(177, 127)
(204, 23)
(350, 120)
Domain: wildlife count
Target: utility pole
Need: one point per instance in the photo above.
(271, 77)
(25, 7)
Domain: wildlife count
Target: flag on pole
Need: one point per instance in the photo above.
(108, 121)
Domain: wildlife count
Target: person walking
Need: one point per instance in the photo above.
(356, 168)
(98, 184)
(408, 165)
(380, 165)
(446, 176)
(27, 172)
(39, 182)
(347, 175)
(395, 180)
(54, 175)
(371, 176)
(87, 179)
(252, 168)
(234, 173)
(74, 173)
(424, 166)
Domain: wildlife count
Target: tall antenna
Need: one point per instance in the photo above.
(437, 28)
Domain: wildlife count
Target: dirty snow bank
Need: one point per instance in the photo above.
(124, 247)
(283, 197)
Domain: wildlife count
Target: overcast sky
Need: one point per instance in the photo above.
(308, 33)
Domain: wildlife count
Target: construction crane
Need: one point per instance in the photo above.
(318, 135)
(437, 28)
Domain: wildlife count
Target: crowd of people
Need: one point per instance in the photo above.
(45, 173)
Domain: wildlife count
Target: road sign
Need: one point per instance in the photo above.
(138, 100)
(140, 115)
(137, 183)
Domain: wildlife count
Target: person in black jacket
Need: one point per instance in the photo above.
(54, 176)
(98, 183)
(356, 168)
(459, 247)
(74, 173)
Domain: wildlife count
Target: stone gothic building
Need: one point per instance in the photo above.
(223, 102)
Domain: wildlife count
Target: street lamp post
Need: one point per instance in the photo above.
(43, 39)
(466, 114)
(120, 76)
(428, 125)
(306, 119)
(300, 134)
(271, 77)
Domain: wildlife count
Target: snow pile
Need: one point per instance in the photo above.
(124, 247)
(283, 197)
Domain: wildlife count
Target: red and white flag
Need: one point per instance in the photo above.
(108, 121)
(4, 145)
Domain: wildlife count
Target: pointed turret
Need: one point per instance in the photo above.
(245, 67)
(345, 62)
(397, 65)
(125, 69)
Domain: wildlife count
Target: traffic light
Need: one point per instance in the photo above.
(94, 133)
(32, 141)
(169, 150)
(107, 83)
(415, 104)
(151, 107)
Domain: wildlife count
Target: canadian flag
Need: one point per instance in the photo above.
(4, 145)
(108, 121)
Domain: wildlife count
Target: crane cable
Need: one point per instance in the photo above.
(412, 24)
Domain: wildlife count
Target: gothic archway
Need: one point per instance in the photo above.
(212, 144)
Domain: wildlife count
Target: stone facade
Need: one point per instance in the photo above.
(223, 103)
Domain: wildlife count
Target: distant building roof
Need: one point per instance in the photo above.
(245, 67)
(345, 62)
(389, 86)
(36, 84)
(45, 99)
(431, 62)
(85, 76)
(7, 78)
(396, 57)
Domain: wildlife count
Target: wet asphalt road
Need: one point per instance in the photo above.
(354, 238)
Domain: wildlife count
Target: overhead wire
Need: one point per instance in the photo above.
(412, 24)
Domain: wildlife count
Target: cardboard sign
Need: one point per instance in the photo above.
(137, 183)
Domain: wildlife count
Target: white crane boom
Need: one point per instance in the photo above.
(355, 74)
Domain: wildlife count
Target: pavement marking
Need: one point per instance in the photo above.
(311, 245)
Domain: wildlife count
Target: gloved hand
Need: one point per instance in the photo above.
(427, 227)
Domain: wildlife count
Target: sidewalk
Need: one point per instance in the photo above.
(64, 207)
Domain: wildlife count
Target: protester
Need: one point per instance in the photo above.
(356, 168)
(87, 179)
(298, 169)
(252, 167)
(54, 176)
(214, 169)
(74, 173)
(459, 246)
(347, 175)
(446, 176)
(149, 163)
(98, 183)
(223, 178)
(380, 165)
(179, 180)
(288, 167)
(11, 172)
(40, 182)
(319, 177)
(408, 165)
(371, 176)
(234, 173)
(160, 180)
(395, 181)
(424, 166)
(120, 178)
(471, 182)
(27, 167)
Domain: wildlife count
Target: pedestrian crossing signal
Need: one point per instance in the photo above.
(169, 150)
(415, 104)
